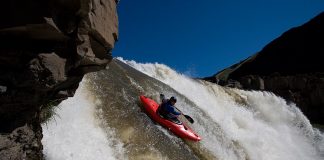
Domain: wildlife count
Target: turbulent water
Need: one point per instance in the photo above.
(105, 120)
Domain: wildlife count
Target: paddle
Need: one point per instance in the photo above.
(186, 116)
(189, 118)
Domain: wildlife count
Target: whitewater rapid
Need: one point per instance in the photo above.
(75, 132)
(104, 120)
(260, 124)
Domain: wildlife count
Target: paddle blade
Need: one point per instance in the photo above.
(189, 118)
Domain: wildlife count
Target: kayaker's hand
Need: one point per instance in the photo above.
(161, 96)
(177, 110)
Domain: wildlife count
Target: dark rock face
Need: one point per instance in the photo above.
(22, 143)
(290, 66)
(46, 46)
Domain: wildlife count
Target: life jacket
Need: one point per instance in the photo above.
(167, 110)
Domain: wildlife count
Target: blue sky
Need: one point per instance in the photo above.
(200, 38)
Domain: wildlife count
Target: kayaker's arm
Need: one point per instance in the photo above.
(172, 110)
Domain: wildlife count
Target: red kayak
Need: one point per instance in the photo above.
(181, 130)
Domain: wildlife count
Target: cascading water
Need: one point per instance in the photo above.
(75, 132)
(105, 120)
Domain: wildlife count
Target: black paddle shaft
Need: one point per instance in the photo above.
(186, 116)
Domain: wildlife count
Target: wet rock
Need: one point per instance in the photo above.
(22, 143)
(252, 82)
(3, 89)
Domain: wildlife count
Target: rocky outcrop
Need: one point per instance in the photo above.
(46, 46)
(290, 66)
(22, 143)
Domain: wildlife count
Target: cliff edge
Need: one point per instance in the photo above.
(46, 46)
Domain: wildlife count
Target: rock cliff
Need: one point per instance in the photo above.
(291, 66)
(46, 46)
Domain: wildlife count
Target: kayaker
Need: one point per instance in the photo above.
(167, 109)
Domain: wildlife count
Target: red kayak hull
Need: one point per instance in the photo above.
(181, 130)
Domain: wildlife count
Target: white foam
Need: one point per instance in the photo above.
(266, 127)
(75, 133)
